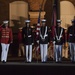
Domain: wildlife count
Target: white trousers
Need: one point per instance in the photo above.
(29, 53)
(4, 53)
(58, 52)
(72, 51)
(43, 49)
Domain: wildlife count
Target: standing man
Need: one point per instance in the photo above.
(44, 41)
(59, 40)
(28, 40)
(6, 39)
(71, 40)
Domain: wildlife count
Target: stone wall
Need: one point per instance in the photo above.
(33, 5)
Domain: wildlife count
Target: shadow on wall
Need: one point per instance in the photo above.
(48, 10)
(18, 23)
(22, 21)
(16, 26)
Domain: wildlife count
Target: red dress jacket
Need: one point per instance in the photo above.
(6, 35)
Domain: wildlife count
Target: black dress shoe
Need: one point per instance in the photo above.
(45, 61)
(28, 62)
(42, 62)
(60, 62)
(56, 61)
(73, 61)
(3, 61)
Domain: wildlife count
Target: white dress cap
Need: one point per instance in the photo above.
(43, 20)
(58, 20)
(5, 22)
(27, 20)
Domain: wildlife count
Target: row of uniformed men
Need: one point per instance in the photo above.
(58, 35)
(58, 40)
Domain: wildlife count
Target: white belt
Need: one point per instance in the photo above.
(71, 35)
(29, 36)
(46, 35)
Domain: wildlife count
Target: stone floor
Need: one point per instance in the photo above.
(37, 62)
(18, 66)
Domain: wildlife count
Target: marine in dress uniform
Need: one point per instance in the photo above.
(6, 39)
(58, 40)
(28, 40)
(44, 41)
(71, 40)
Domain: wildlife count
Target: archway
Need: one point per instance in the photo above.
(18, 12)
(67, 13)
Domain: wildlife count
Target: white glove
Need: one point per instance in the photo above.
(53, 42)
(38, 41)
(32, 43)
